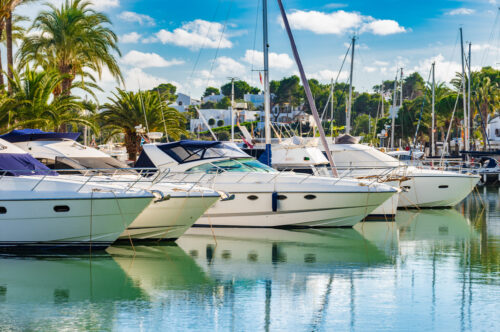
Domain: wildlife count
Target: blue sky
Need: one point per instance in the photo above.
(162, 40)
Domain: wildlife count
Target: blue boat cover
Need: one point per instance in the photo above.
(22, 164)
(266, 156)
(24, 135)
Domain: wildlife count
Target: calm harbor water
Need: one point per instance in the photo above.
(430, 270)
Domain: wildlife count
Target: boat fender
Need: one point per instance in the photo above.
(224, 196)
(160, 196)
(274, 200)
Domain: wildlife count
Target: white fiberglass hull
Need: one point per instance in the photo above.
(168, 219)
(80, 222)
(326, 210)
(388, 209)
(435, 189)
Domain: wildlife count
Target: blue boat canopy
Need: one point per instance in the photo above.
(24, 135)
(15, 164)
(187, 151)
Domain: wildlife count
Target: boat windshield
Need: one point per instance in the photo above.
(106, 165)
(232, 165)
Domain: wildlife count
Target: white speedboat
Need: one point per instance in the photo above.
(39, 208)
(264, 197)
(421, 187)
(301, 156)
(166, 219)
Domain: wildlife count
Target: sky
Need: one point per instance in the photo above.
(198, 43)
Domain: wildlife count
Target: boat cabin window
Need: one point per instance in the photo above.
(183, 152)
(106, 165)
(232, 165)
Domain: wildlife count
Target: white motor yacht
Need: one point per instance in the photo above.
(421, 187)
(165, 219)
(264, 197)
(304, 156)
(39, 208)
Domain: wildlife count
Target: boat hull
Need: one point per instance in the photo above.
(327, 209)
(429, 191)
(387, 210)
(168, 219)
(75, 222)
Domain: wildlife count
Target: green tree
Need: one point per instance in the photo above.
(167, 92)
(71, 39)
(240, 89)
(17, 31)
(33, 105)
(211, 90)
(127, 110)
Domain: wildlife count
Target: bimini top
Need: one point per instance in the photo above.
(14, 161)
(187, 151)
(23, 135)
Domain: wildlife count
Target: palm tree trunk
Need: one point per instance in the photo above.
(10, 59)
(132, 144)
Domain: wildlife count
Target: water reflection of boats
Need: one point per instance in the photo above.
(256, 253)
(32, 287)
(159, 267)
(63, 279)
(432, 225)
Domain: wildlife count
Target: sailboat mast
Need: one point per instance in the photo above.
(466, 124)
(331, 110)
(267, 97)
(348, 116)
(433, 152)
(307, 89)
(393, 116)
(468, 95)
(401, 87)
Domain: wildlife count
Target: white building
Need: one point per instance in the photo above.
(213, 98)
(493, 129)
(219, 118)
(183, 101)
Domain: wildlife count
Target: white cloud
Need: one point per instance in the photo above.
(445, 70)
(369, 69)
(142, 19)
(136, 78)
(340, 22)
(226, 66)
(147, 60)
(461, 11)
(335, 5)
(383, 27)
(380, 63)
(326, 75)
(196, 34)
(276, 61)
(132, 37)
(105, 4)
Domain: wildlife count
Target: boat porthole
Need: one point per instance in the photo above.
(443, 186)
(61, 208)
(253, 197)
(3, 210)
(310, 197)
(282, 197)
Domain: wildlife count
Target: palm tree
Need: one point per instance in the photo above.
(18, 33)
(128, 110)
(72, 39)
(32, 104)
(6, 9)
